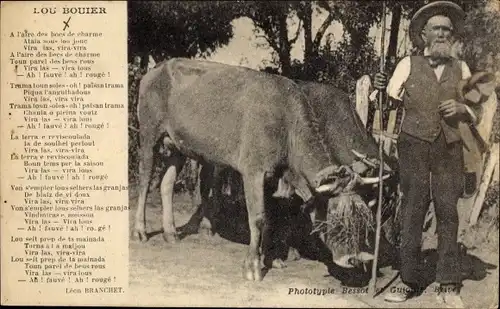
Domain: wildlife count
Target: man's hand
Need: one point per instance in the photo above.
(380, 81)
(451, 108)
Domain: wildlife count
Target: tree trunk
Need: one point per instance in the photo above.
(285, 62)
(308, 39)
(284, 47)
(393, 39)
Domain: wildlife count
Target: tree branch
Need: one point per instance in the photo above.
(322, 29)
(297, 33)
(270, 32)
(324, 5)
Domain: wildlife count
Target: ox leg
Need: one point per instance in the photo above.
(193, 225)
(193, 179)
(174, 166)
(206, 184)
(220, 176)
(203, 220)
(146, 164)
(254, 196)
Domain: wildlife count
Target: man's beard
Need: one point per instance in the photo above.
(440, 49)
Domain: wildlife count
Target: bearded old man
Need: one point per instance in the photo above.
(430, 143)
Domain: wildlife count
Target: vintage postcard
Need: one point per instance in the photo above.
(250, 153)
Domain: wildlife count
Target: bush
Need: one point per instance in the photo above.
(484, 234)
(135, 73)
(491, 204)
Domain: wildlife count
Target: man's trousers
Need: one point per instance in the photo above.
(417, 159)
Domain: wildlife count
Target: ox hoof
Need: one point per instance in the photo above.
(293, 254)
(279, 264)
(252, 270)
(170, 238)
(141, 236)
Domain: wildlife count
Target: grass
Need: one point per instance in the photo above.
(348, 220)
(484, 235)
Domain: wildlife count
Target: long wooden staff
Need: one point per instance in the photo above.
(373, 282)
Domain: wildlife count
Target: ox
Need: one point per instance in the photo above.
(250, 121)
(344, 129)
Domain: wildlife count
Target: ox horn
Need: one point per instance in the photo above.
(329, 187)
(372, 180)
(326, 188)
(363, 180)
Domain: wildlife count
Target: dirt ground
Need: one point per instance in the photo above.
(206, 271)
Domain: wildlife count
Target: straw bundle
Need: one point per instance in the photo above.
(348, 221)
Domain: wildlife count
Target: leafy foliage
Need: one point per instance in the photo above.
(135, 73)
(481, 48)
(341, 66)
(165, 29)
(187, 29)
(482, 39)
(178, 28)
(270, 19)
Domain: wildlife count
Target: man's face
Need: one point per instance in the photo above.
(437, 35)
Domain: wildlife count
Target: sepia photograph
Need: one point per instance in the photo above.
(333, 154)
(313, 153)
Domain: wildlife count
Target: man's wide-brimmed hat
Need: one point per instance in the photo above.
(446, 8)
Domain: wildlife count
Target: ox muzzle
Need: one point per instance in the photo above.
(334, 182)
